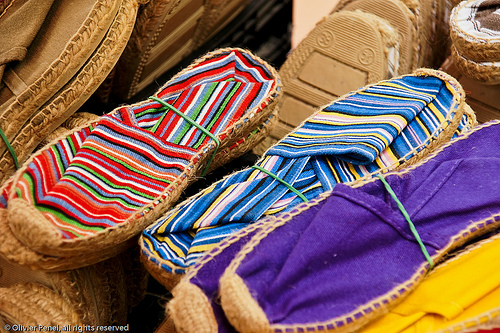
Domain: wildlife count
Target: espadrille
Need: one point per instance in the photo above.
(482, 98)
(345, 51)
(346, 140)
(421, 25)
(18, 253)
(70, 56)
(106, 181)
(475, 33)
(399, 17)
(460, 295)
(379, 237)
(165, 33)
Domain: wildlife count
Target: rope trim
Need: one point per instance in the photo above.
(9, 147)
(407, 217)
(193, 123)
(290, 187)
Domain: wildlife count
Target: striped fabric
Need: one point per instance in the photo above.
(377, 128)
(99, 177)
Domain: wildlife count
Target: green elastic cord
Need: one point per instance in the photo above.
(9, 147)
(290, 187)
(193, 123)
(407, 217)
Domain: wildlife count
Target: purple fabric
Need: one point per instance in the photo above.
(207, 277)
(335, 258)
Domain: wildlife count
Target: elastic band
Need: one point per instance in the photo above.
(193, 123)
(9, 147)
(290, 187)
(407, 217)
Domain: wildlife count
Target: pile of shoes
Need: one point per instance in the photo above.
(475, 35)
(373, 206)
(85, 196)
(361, 42)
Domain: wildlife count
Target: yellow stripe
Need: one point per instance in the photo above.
(210, 209)
(201, 248)
(353, 171)
(437, 113)
(150, 245)
(322, 144)
(171, 246)
(348, 116)
(334, 171)
(373, 134)
(391, 154)
(390, 84)
(274, 211)
(392, 97)
(450, 88)
(423, 127)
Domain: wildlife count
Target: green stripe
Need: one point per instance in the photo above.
(147, 111)
(126, 165)
(67, 220)
(197, 111)
(219, 112)
(96, 194)
(58, 158)
(105, 180)
(72, 145)
(193, 123)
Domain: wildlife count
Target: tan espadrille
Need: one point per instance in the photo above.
(70, 56)
(165, 33)
(482, 98)
(475, 33)
(344, 52)
(33, 304)
(399, 17)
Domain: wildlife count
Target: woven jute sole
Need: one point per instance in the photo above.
(469, 46)
(484, 72)
(165, 33)
(75, 120)
(401, 18)
(99, 294)
(32, 229)
(344, 52)
(42, 120)
(152, 19)
(15, 251)
(34, 304)
(482, 98)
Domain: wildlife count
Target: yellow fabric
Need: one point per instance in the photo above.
(462, 292)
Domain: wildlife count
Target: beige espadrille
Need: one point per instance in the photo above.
(475, 33)
(344, 52)
(70, 56)
(482, 98)
(165, 33)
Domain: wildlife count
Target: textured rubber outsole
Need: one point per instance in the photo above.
(345, 51)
